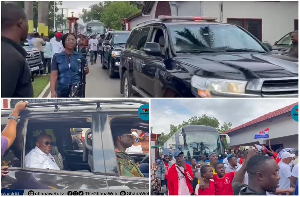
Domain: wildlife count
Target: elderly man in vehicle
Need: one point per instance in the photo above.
(40, 156)
(123, 139)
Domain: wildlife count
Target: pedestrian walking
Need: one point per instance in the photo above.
(65, 71)
(93, 44)
(47, 55)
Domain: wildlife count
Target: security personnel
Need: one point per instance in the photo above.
(77, 143)
(123, 139)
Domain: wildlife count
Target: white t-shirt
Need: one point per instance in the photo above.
(134, 149)
(56, 47)
(93, 44)
(38, 159)
(182, 186)
(295, 171)
(284, 174)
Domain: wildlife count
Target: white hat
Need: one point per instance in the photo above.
(285, 155)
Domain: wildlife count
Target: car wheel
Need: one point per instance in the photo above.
(126, 85)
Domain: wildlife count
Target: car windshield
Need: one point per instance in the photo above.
(199, 38)
(121, 38)
(286, 40)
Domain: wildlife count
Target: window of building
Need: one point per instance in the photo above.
(295, 24)
(254, 26)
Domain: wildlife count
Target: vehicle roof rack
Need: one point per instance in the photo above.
(87, 104)
(187, 18)
(148, 21)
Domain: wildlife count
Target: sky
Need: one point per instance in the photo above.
(76, 7)
(164, 112)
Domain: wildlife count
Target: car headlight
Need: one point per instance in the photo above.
(115, 53)
(222, 86)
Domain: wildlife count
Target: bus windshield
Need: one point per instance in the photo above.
(198, 142)
(95, 29)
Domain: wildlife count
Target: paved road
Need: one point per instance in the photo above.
(99, 85)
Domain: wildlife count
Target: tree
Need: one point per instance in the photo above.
(195, 120)
(94, 13)
(225, 127)
(115, 11)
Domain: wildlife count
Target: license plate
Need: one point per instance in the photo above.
(35, 68)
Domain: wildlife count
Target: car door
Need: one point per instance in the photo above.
(127, 56)
(140, 61)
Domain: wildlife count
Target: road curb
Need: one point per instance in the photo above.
(45, 92)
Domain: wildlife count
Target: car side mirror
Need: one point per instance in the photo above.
(152, 48)
(268, 45)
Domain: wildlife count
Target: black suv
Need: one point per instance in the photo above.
(112, 46)
(199, 57)
(94, 167)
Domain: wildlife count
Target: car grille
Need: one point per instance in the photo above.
(280, 88)
(34, 58)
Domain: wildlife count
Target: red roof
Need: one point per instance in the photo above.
(268, 116)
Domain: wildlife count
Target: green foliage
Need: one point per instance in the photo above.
(93, 14)
(114, 13)
(195, 120)
(111, 13)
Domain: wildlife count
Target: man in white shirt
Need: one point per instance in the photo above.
(294, 176)
(233, 165)
(56, 45)
(40, 156)
(93, 44)
(285, 171)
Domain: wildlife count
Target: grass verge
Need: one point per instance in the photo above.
(39, 84)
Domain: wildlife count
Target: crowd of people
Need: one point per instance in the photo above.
(59, 55)
(255, 171)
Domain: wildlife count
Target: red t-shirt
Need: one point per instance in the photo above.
(241, 161)
(223, 185)
(208, 191)
(166, 172)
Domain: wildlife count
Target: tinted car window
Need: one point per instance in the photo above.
(193, 38)
(143, 38)
(120, 38)
(131, 42)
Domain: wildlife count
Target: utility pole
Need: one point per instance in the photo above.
(28, 5)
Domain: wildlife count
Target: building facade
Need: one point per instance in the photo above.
(283, 130)
(267, 20)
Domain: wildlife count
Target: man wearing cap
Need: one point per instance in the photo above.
(213, 159)
(76, 140)
(124, 139)
(285, 171)
(180, 176)
(56, 44)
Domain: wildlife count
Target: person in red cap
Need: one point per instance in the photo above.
(56, 44)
